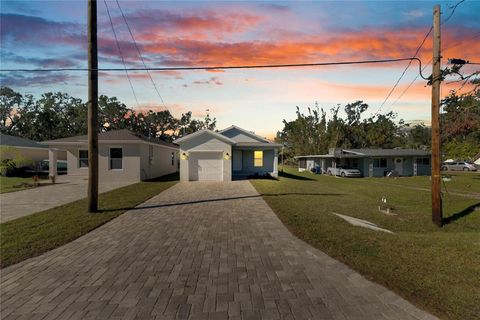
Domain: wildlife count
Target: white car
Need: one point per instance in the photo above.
(343, 171)
(458, 166)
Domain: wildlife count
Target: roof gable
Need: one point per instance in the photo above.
(241, 135)
(200, 133)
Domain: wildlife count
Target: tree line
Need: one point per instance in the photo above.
(59, 115)
(314, 132)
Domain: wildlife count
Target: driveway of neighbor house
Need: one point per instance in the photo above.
(200, 251)
(67, 189)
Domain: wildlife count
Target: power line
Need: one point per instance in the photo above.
(445, 49)
(140, 54)
(410, 84)
(266, 66)
(121, 54)
(453, 11)
(461, 42)
(404, 71)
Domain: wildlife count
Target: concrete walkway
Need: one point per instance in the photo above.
(17, 204)
(196, 251)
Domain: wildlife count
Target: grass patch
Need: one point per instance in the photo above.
(35, 234)
(437, 269)
(12, 184)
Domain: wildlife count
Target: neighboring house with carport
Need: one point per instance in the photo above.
(123, 156)
(370, 162)
(476, 160)
(12, 146)
(219, 156)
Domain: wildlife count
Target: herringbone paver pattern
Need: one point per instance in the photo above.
(196, 251)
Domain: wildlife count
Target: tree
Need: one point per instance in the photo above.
(460, 125)
(312, 133)
(418, 137)
(113, 114)
(10, 101)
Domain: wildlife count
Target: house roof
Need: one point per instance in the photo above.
(246, 132)
(12, 141)
(122, 135)
(387, 152)
(258, 144)
(219, 135)
(363, 153)
(205, 131)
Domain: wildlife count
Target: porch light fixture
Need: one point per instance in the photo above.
(184, 156)
(226, 156)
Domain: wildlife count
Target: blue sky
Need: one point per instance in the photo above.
(43, 34)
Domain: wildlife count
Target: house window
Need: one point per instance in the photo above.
(380, 163)
(150, 155)
(83, 158)
(354, 163)
(116, 159)
(173, 158)
(423, 161)
(258, 158)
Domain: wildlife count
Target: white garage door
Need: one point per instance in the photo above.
(205, 166)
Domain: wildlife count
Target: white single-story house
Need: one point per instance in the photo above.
(219, 156)
(12, 146)
(370, 162)
(123, 156)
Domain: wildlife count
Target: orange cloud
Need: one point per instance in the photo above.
(359, 45)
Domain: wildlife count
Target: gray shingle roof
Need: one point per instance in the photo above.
(362, 153)
(114, 135)
(7, 140)
(388, 152)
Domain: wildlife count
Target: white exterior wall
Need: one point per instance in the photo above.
(161, 162)
(205, 142)
(131, 162)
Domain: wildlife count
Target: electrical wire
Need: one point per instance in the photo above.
(409, 85)
(404, 71)
(140, 54)
(227, 67)
(443, 50)
(453, 11)
(120, 51)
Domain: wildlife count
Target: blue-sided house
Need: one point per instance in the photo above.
(220, 156)
(370, 162)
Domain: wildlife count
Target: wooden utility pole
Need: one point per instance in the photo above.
(92, 108)
(436, 80)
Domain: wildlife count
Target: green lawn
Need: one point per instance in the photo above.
(460, 182)
(35, 234)
(11, 184)
(436, 269)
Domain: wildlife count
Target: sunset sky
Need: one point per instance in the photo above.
(50, 34)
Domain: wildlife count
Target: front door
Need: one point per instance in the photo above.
(237, 160)
(399, 165)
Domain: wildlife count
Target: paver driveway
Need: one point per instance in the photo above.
(17, 204)
(198, 251)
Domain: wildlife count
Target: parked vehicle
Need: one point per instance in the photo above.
(458, 166)
(343, 171)
(43, 166)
